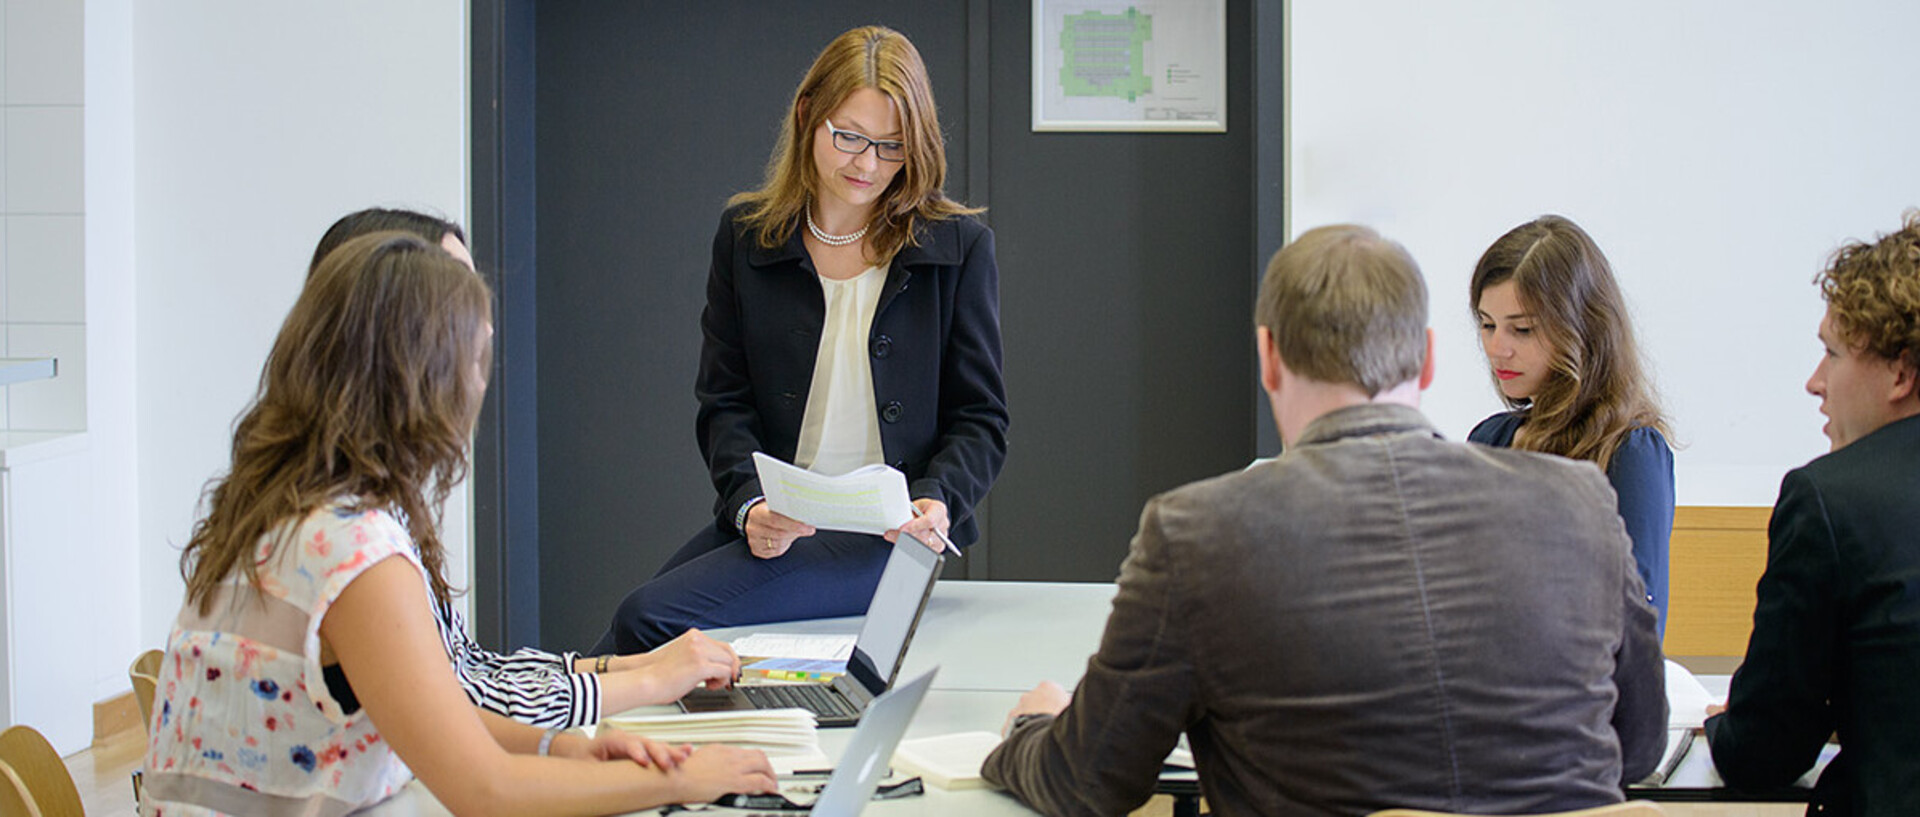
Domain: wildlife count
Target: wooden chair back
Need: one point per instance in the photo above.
(14, 798)
(33, 766)
(145, 674)
(1631, 808)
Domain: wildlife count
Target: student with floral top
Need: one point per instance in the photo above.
(305, 673)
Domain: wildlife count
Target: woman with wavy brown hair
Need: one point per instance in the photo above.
(852, 318)
(1555, 330)
(529, 684)
(305, 671)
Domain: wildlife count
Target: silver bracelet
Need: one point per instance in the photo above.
(546, 740)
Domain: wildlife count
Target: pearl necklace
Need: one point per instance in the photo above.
(830, 239)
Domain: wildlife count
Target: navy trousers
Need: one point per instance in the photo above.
(713, 581)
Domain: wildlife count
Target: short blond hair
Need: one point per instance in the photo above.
(1873, 293)
(1346, 305)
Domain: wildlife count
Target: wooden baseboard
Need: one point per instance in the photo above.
(114, 717)
(1714, 562)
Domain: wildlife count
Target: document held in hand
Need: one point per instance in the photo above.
(871, 499)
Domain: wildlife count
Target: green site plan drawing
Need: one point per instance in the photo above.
(1105, 54)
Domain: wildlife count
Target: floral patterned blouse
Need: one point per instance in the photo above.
(245, 721)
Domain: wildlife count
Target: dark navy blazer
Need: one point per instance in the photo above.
(1642, 477)
(1836, 634)
(934, 347)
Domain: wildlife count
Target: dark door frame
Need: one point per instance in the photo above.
(506, 477)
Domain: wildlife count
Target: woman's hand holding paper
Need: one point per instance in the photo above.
(770, 534)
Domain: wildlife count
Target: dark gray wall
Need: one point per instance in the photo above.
(1125, 299)
(1127, 267)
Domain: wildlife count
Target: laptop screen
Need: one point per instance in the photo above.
(864, 762)
(898, 600)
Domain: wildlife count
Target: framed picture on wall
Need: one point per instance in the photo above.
(1130, 65)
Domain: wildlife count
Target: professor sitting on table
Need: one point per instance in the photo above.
(1836, 628)
(1377, 618)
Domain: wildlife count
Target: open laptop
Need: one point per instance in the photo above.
(864, 763)
(892, 617)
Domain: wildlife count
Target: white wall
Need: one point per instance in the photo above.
(42, 212)
(1716, 151)
(111, 400)
(253, 127)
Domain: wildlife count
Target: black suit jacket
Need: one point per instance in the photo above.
(934, 347)
(1836, 634)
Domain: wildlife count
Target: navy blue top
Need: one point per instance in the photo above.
(1642, 477)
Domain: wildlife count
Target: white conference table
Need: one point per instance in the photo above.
(992, 642)
(989, 636)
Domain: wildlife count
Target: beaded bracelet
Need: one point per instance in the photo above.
(740, 517)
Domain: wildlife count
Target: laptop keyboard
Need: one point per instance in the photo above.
(812, 697)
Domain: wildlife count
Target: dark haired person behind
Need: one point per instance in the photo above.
(304, 674)
(383, 219)
(531, 685)
(1836, 628)
(1378, 617)
(852, 318)
(1554, 327)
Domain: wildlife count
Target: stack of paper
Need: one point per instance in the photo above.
(953, 761)
(1687, 699)
(776, 658)
(949, 762)
(792, 670)
(871, 499)
(794, 645)
(788, 736)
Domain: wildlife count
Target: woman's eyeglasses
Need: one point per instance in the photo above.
(856, 143)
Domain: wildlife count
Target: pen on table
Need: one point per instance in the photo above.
(937, 533)
(825, 773)
(1672, 764)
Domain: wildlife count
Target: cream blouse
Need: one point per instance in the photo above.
(841, 428)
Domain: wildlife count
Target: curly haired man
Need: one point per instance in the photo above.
(1836, 631)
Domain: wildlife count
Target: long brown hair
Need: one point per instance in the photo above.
(869, 57)
(1596, 390)
(367, 395)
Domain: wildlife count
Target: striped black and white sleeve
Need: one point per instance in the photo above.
(528, 685)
